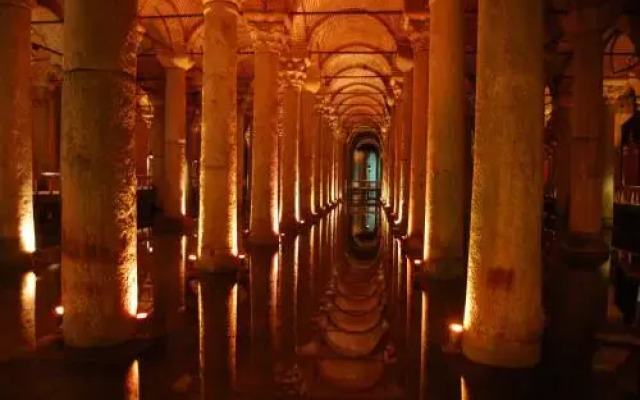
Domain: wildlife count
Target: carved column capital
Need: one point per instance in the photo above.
(615, 94)
(234, 4)
(269, 37)
(170, 59)
(294, 72)
(397, 86)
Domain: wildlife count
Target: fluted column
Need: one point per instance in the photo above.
(503, 315)
(418, 180)
(175, 124)
(446, 142)
(99, 262)
(269, 43)
(218, 221)
(584, 238)
(292, 77)
(16, 202)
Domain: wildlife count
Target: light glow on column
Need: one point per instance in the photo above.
(27, 230)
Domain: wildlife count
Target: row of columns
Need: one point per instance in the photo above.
(504, 261)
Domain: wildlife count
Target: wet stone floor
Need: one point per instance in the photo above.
(335, 313)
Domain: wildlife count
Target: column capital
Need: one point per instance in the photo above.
(269, 35)
(169, 59)
(418, 34)
(615, 93)
(589, 18)
(234, 4)
(397, 86)
(43, 72)
(18, 3)
(294, 71)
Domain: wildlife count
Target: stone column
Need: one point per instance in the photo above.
(318, 121)
(446, 142)
(406, 162)
(307, 160)
(418, 179)
(16, 202)
(561, 125)
(584, 239)
(157, 149)
(218, 221)
(98, 173)
(269, 40)
(389, 165)
(45, 152)
(175, 124)
(397, 132)
(292, 77)
(503, 316)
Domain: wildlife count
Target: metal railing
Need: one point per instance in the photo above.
(48, 183)
(629, 195)
(364, 192)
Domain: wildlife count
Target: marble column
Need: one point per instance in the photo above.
(45, 151)
(269, 40)
(503, 315)
(218, 221)
(446, 142)
(307, 160)
(98, 173)
(175, 124)
(16, 202)
(389, 163)
(292, 77)
(418, 179)
(584, 242)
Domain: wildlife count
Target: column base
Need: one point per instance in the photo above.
(270, 240)
(224, 263)
(445, 268)
(414, 245)
(585, 250)
(172, 225)
(12, 259)
(504, 353)
(289, 227)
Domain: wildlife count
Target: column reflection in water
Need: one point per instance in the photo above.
(287, 371)
(264, 271)
(168, 274)
(17, 314)
(217, 315)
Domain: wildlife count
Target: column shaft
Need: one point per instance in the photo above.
(406, 165)
(307, 158)
(264, 170)
(16, 181)
(99, 262)
(446, 142)
(292, 79)
(218, 221)
(157, 149)
(418, 178)
(503, 316)
(585, 200)
(175, 119)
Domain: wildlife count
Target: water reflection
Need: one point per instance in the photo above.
(335, 312)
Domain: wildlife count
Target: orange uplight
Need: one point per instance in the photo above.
(418, 262)
(142, 315)
(59, 310)
(193, 257)
(457, 328)
(242, 256)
